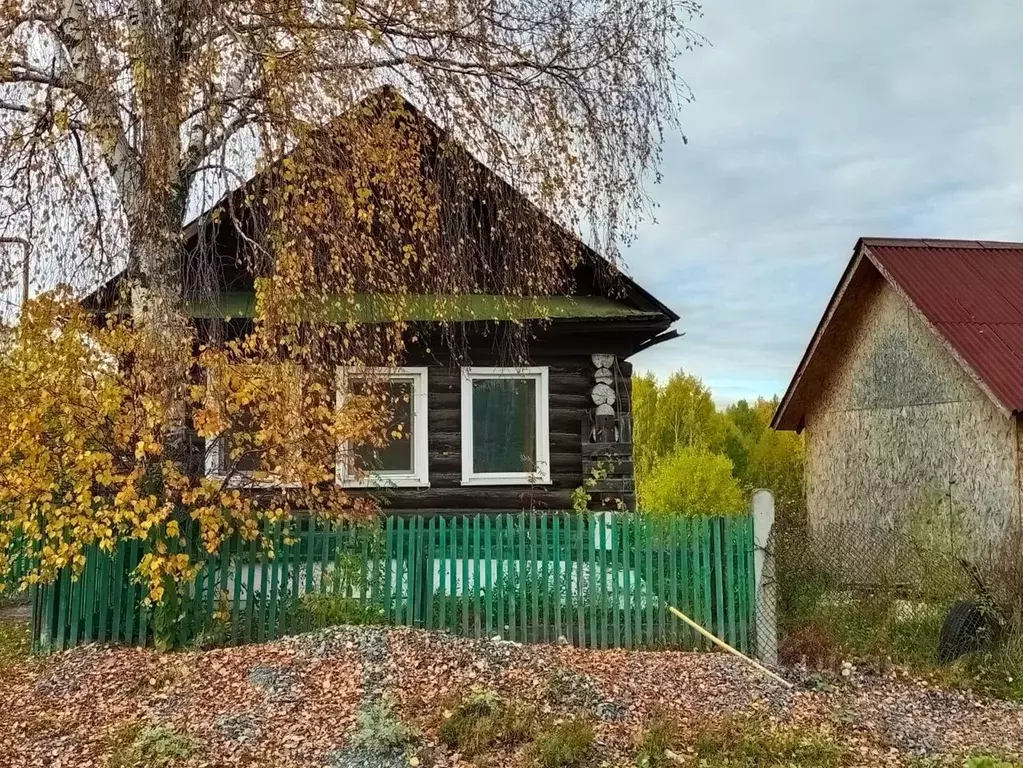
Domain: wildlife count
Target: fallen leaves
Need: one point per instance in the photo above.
(293, 703)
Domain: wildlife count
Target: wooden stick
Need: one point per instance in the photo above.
(726, 647)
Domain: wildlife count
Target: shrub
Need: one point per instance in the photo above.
(484, 720)
(692, 481)
(315, 611)
(654, 742)
(739, 742)
(566, 745)
(136, 745)
(378, 727)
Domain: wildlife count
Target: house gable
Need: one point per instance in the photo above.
(899, 432)
(963, 293)
(900, 427)
(219, 281)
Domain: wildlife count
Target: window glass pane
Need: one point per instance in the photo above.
(397, 455)
(504, 425)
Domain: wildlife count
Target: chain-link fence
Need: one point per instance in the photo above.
(848, 592)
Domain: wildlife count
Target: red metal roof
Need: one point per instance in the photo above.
(971, 293)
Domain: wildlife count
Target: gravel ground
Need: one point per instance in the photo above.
(293, 703)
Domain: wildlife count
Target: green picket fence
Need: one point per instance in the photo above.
(595, 580)
(17, 568)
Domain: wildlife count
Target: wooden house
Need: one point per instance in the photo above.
(910, 392)
(483, 432)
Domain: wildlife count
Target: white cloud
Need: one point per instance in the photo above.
(815, 123)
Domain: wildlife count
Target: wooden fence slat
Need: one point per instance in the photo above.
(431, 558)
(568, 615)
(399, 572)
(603, 588)
(391, 567)
(476, 577)
(445, 581)
(523, 586)
(624, 577)
(490, 568)
(733, 537)
(650, 639)
(534, 580)
(237, 563)
(363, 543)
(557, 560)
(706, 577)
(719, 576)
(580, 562)
(593, 596)
(616, 581)
(103, 602)
(677, 550)
(131, 597)
(502, 586)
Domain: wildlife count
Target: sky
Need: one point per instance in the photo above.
(816, 122)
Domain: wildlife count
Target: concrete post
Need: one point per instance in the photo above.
(765, 583)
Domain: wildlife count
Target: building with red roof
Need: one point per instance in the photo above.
(910, 392)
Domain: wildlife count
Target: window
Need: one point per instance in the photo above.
(403, 461)
(234, 449)
(236, 453)
(505, 436)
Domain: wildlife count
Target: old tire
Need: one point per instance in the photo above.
(966, 629)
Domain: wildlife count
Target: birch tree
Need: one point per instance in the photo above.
(121, 120)
(120, 109)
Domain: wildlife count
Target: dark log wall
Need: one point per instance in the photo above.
(570, 385)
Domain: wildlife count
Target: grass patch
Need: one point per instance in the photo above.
(483, 721)
(998, 673)
(139, 744)
(14, 642)
(655, 741)
(986, 761)
(744, 742)
(974, 761)
(566, 745)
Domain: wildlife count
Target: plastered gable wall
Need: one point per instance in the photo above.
(899, 427)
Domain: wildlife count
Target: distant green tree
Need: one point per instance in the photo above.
(776, 463)
(678, 429)
(691, 481)
(678, 414)
(644, 422)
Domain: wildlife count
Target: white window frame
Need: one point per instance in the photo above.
(542, 474)
(241, 478)
(420, 476)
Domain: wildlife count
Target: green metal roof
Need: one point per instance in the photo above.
(375, 308)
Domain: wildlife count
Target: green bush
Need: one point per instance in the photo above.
(378, 727)
(566, 745)
(138, 745)
(741, 742)
(692, 481)
(483, 720)
(315, 611)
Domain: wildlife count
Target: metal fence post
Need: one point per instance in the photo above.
(765, 584)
